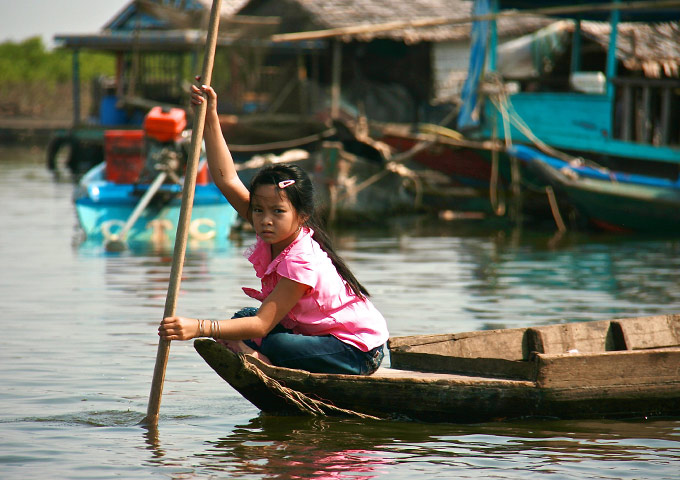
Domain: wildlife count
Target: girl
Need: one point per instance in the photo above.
(314, 315)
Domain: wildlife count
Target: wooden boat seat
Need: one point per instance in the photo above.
(511, 353)
(606, 336)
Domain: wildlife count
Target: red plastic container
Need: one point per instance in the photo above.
(165, 125)
(203, 175)
(124, 155)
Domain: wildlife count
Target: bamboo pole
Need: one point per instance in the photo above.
(184, 218)
(438, 21)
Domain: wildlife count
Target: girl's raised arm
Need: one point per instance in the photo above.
(220, 161)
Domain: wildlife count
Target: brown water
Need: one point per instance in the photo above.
(79, 346)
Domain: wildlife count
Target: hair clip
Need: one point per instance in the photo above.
(286, 183)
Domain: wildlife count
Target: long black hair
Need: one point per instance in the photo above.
(301, 196)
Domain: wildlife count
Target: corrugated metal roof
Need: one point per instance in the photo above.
(168, 15)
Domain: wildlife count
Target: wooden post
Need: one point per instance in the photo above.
(120, 75)
(76, 87)
(576, 47)
(627, 116)
(314, 98)
(646, 115)
(302, 83)
(666, 97)
(337, 75)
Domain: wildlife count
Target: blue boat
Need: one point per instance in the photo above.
(606, 199)
(103, 207)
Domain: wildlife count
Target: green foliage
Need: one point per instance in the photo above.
(29, 62)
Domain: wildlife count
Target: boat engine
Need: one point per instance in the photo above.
(138, 156)
(166, 144)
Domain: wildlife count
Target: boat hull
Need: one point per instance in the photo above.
(641, 209)
(611, 200)
(388, 393)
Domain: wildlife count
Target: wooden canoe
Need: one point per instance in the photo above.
(601, 369)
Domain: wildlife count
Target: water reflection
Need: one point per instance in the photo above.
(152, 440)
(300, 447)
(96, 247)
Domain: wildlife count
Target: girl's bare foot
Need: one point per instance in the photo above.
(238, 346)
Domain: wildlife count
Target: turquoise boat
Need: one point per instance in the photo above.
(103, 207)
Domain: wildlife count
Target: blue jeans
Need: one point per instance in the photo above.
(317, 354)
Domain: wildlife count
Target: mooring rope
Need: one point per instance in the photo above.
(299, 400)
(502, 102)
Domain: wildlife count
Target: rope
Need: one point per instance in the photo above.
(555, 209)
(438, 130)
(502, 102)
(299, 400)
(497, 203)
(393, 167)
(283, 144)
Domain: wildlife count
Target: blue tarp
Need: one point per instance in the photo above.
(528, 154)
(468, 116)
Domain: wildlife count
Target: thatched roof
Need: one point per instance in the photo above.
(652, 48)
(260, 18)
(314, 15)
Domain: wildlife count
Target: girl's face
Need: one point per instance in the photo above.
(274, 218)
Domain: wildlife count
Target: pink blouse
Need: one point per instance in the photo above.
(329, 306)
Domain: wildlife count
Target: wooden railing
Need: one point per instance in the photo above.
(648, 110)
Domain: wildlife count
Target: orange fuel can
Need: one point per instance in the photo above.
(165, 124)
